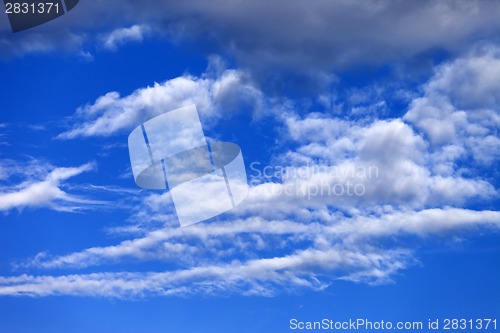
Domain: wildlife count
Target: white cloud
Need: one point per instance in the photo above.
(118, 37)
(44, 192)
(316, 253)
(212, 96)
(420, 223)
(321, 229)
(253, 277)
(459, 110)
(387, 160)
(470, 82)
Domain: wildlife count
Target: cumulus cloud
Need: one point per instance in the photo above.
(470, 82)
(347, 164)
(459, 110)
(45, 191)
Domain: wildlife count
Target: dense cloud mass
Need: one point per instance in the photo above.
(308, 36)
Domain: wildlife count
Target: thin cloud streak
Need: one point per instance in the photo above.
(254, 277)
(47, 192)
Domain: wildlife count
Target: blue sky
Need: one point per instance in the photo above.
(370, 140)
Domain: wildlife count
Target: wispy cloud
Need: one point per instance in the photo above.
(248, 237)
(111, 113)
(43, 192)
(121, 36)
(2, 134)
(253, 277)
(337, 250)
